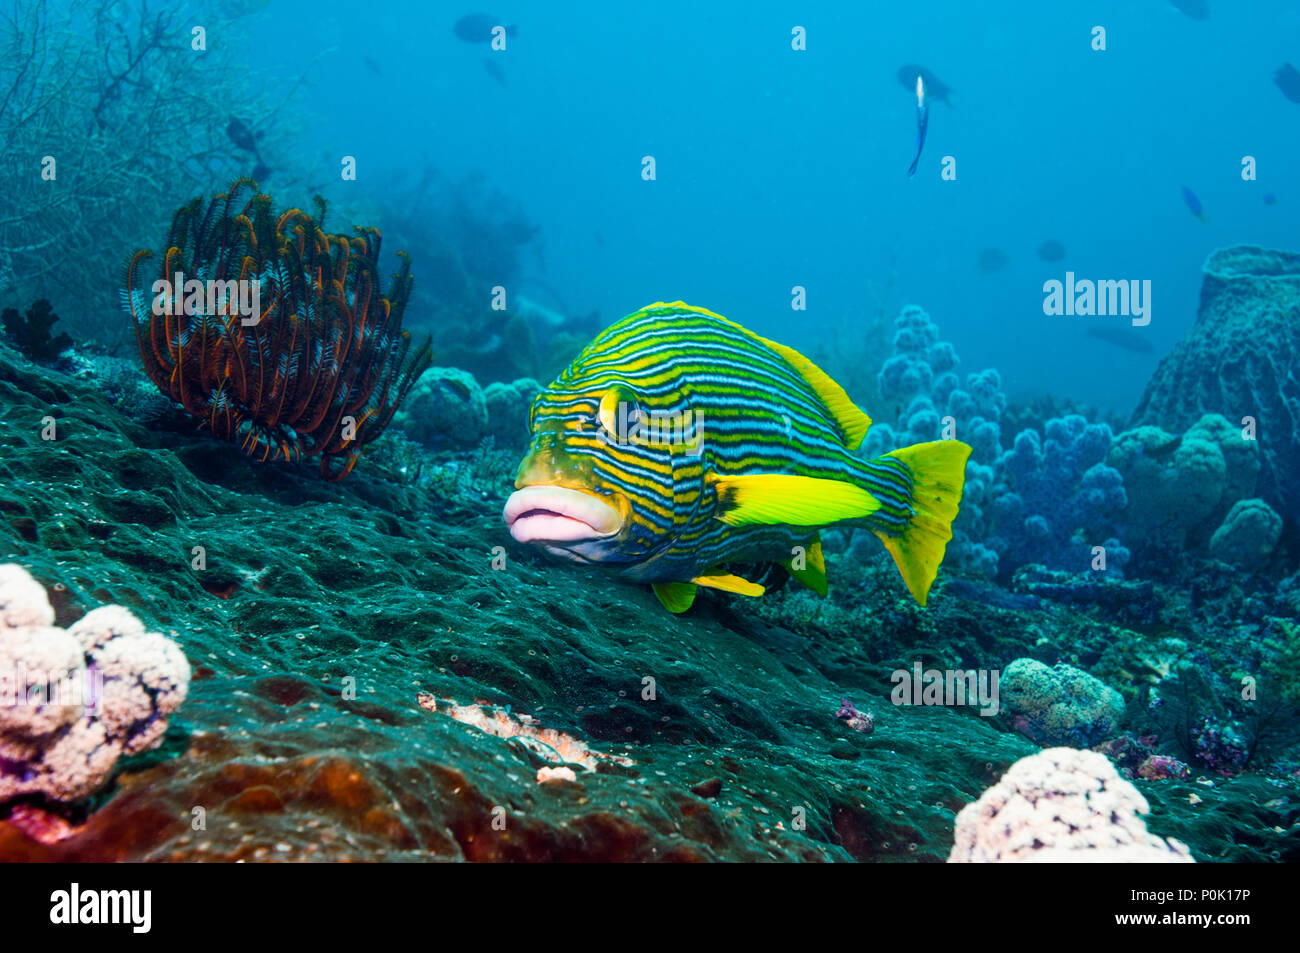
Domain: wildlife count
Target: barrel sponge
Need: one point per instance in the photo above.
(1060, 806)
(1059, 705)
(128, 683)
(1239, 360)
(1248, 535)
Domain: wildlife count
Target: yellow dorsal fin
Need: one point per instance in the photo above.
(779, 498)
(850, 417)
(716, 579)
(938, 473)
(675, 596)
(852, 421)
(813, 573)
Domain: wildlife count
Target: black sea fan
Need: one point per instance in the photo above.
(274, 333)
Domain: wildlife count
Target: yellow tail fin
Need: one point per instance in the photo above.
(938, 473)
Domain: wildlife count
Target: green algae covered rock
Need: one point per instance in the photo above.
(1179, 487)
(446, 409)
(1060, 705)
(507, 408)
(1248, 535)
(319, 618)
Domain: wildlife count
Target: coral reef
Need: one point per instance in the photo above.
(1050, 499)
(1060, 499)
(1059, 705)
(508, 407)
(1239, 360)
(81, 80)
(77, 699)
(322, 366)
(30, 333)
(324, 608)
(1061, 805)
(1181, 487)
(920, 379)
(445, 409)
(1248, 534)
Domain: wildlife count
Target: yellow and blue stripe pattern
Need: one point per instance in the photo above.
(745, 449)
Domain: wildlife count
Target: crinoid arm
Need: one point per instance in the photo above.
(271, 332)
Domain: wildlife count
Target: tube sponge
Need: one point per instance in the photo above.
(122, 683)
(1060, 805)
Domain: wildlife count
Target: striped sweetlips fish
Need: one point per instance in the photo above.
(678, 444)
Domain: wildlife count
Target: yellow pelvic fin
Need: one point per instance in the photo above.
(675, 596)
(715, 579)
(778, 498)
(938, 473)
(813, 573)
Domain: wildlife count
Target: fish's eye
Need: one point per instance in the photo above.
(618, 410)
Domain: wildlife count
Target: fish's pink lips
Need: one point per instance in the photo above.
(557, 514)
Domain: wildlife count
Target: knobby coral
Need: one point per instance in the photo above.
(1061, 805)
(72, 701)
(321, 367)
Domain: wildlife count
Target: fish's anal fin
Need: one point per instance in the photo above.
(676, 597)
(938, 472)
(778, 498)
(715, 579)
(853, 422)
(813, 573)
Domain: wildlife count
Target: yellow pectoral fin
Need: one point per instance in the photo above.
(813, 573)
(775, 498)
(729, 583)
(675, 596)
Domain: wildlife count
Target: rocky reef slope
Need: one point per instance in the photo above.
(314, 616)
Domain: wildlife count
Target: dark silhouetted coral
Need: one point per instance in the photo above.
(30, 333)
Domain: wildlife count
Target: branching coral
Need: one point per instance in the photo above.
(106, 111)
(1060, 499)
(31, 332)
(1049, 501)
(319, 371)
(920, 379)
